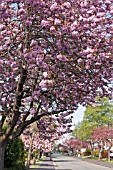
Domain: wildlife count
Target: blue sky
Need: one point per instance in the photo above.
(78, 115)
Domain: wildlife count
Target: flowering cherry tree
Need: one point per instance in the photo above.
(42, 135)
(74, 145)
(103, 136)
(53, 55)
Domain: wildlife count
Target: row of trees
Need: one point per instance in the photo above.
(53, 55)
(42, 135)
(100, 114)
(96, 126)
(72, 146)
(100, 141)
(103, 137)
(38, 138)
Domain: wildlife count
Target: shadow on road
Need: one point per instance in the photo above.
(41, 169)
(45, 165)
(47, 169)
(63, 161)
(54, 156)
(64, 169)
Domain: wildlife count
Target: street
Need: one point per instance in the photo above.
(72, 163)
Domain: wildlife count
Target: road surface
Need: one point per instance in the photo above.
(63, 162)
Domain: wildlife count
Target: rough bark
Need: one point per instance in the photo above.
(17, 104)
(2, 150)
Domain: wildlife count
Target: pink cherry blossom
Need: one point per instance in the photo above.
(52, 28)
(61, 57)
(45, 74)
(57, 21)
(53, 6)
(51, 56)
(67, 4)
(44, 23)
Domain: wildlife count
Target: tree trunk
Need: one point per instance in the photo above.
(100, 150)
(92, 149)
(108, 154)
(29, 155)
(100, 154)
(2, 151)
(92, 153)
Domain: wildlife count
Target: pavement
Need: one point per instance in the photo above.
(48, 164)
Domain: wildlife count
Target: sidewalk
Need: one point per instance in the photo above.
(46, 164)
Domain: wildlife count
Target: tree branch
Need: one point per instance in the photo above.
(17, 103)
(36, 117)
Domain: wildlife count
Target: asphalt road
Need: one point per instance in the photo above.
(69, 163)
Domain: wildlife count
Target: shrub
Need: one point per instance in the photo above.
(14, 155)
(87, 152)
(35, 154)
(96, 153)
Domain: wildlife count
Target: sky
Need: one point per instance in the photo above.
(78, 115)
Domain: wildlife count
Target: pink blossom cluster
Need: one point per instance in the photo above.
(54, 55)
(73, 145)
(44, 135)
